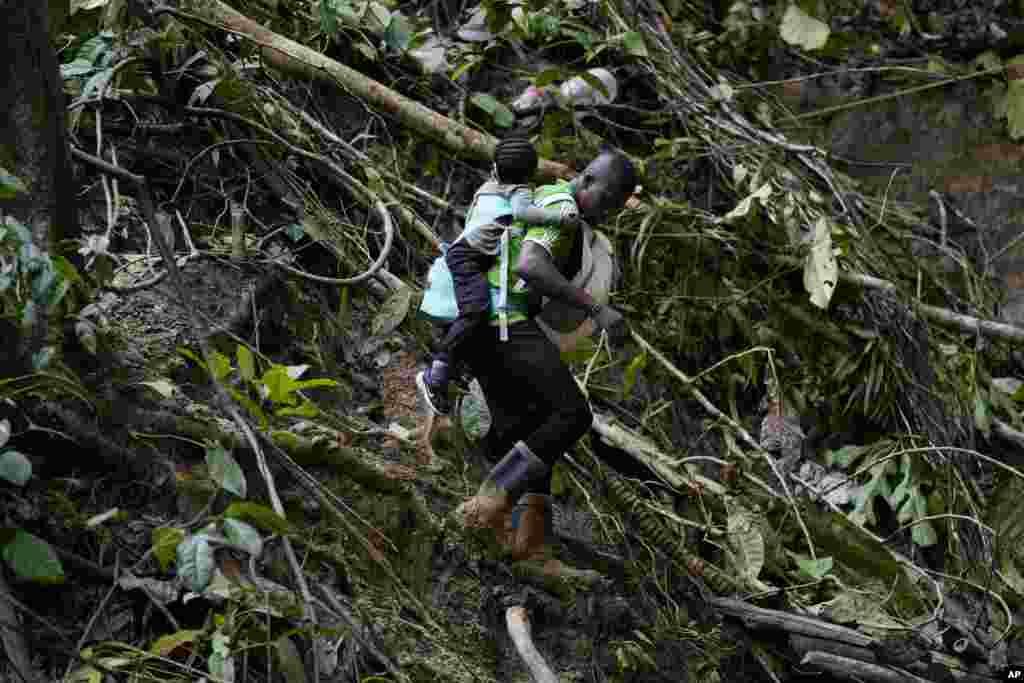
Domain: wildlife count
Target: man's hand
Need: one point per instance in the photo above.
(611, 321)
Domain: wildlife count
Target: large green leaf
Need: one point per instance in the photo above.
(392, 312)
(15, 467)
(260, 515)
(821, 271)
(501, 114)
(634, 44)
(816, 569)
(398, 33)
(1011, 105)
(800, 29)
(279, 385)
(195, 562)
(225, 470)
(165, 544)
(246, 363)
(243, 535)
(32, 559)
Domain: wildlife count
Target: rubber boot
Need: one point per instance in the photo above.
(491, 507)
(534, 559)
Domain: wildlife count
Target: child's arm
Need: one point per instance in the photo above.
(524, 210)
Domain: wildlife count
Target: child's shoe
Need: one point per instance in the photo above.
(433, 385)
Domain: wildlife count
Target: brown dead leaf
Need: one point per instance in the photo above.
(967, 183)
(999, 151)
(377, 542)
(1015, 280)
(1014, 72)
(888, 8)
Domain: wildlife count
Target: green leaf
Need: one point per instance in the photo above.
(922, 533)
(328, 17)
(195, 562)
(558, 486)
(747, 203)
(821, 270)
(225, 470)
(246, 363)
(41, 358)
(1014, 100)
(165, 544)
(306, 409)
(634, 44)
(816, 569)
(251, 406)
(504, 117)
(398, 33)
(10, 185)
(845, 456)
(905, 487)
(864, 509)
(548, 76)
(290, 663)
(222, 664)
(319, 382)
(279, 384)
(22, 235)
(501, 114)
(485, 102)
(369, 51)
(585, 39)
(15, 467)
(260, 515)
(635, 367)
(219, 365)
(982, 416)
(161, 386)
(803, 30)
(32, 559)
(243, 535)
(392, 312)
(164, 646)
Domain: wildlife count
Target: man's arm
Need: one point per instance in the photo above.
(538, 269)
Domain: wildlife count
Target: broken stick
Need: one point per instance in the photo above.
(518, 623)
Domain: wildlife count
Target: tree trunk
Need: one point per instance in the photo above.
(33, 142)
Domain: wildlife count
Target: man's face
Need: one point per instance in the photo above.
(598, 193)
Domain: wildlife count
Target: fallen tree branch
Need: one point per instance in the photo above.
(518, 624)
(942, 316)
(761, 618)
(299, 60)
(847, 669)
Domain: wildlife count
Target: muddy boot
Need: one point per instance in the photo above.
(491, 508)
(534, 560)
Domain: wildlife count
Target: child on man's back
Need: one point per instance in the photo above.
(502, 200)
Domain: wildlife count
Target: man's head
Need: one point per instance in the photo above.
(515, 160)
(605, 184)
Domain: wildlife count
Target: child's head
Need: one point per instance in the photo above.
(515, 160)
